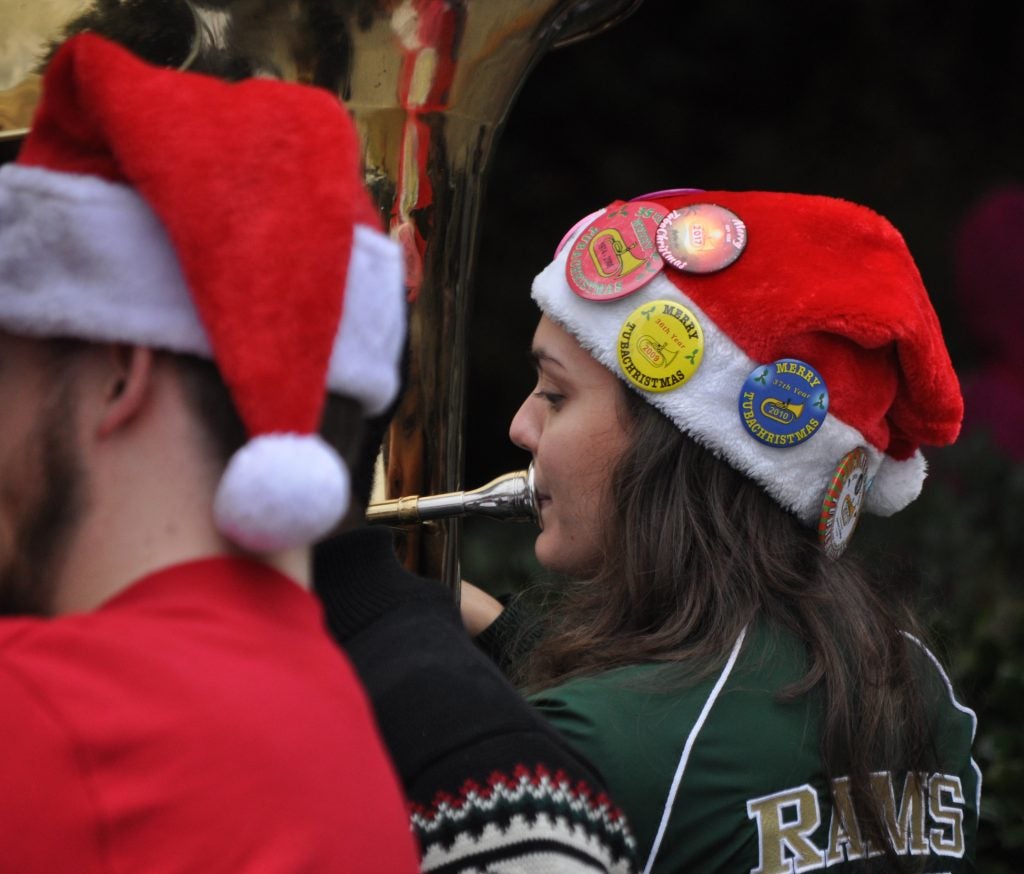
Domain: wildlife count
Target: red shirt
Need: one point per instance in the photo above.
(200, 721)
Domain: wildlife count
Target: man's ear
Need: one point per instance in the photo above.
(128, 382)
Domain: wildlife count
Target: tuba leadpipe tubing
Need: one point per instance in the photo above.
(511, 497)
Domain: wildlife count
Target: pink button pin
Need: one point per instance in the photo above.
(616, 253)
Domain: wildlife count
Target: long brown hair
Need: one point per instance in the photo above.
(694, 551)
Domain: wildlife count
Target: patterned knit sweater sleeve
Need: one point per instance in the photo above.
(508, 640)
(490, 784)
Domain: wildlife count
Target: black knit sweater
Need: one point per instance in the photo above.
(488, 780)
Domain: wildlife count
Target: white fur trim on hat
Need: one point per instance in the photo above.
(87, 258)
(370, 340)
(706, 407)
(281, 491)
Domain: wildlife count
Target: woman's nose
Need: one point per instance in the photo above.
(523, 430)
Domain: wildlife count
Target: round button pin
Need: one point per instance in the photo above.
(701, 238)
(616, 254)
(840, 511)
(661, 345)
(783, 403)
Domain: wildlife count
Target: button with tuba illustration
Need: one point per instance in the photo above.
(616, 254)
(783, 403)
(661, 345)
(701, 238)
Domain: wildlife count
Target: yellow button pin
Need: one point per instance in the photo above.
(661, 345)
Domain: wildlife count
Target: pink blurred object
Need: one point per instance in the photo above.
(989, 274)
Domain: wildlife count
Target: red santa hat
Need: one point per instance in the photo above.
(174, 210)
(789, 334)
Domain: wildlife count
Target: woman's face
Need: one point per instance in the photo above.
(572, 424)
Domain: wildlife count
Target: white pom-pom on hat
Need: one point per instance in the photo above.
(280, 491)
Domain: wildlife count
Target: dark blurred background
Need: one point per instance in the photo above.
(915, 109)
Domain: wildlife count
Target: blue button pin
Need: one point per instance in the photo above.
(783, 403)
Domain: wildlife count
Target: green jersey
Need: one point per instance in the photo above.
(721, 775)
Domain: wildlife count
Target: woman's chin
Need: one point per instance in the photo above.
(548, 552)
(553, 555)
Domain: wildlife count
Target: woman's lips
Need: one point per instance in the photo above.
(542, 498)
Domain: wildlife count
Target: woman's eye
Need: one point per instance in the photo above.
(551, 398)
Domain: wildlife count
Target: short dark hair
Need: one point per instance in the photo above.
(342, 424)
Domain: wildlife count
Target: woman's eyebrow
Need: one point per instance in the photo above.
(540, 357)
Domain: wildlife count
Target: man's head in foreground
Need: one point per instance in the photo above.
(187, 268)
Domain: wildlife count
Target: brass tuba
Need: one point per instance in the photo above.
(430, 83)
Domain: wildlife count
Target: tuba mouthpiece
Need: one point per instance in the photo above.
(509, 497)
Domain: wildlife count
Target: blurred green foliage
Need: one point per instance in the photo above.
(963, 538)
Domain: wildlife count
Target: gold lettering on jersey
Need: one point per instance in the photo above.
(906, 826)
(948, 839)
(785, 822)
(927, 817)
(844, 839)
